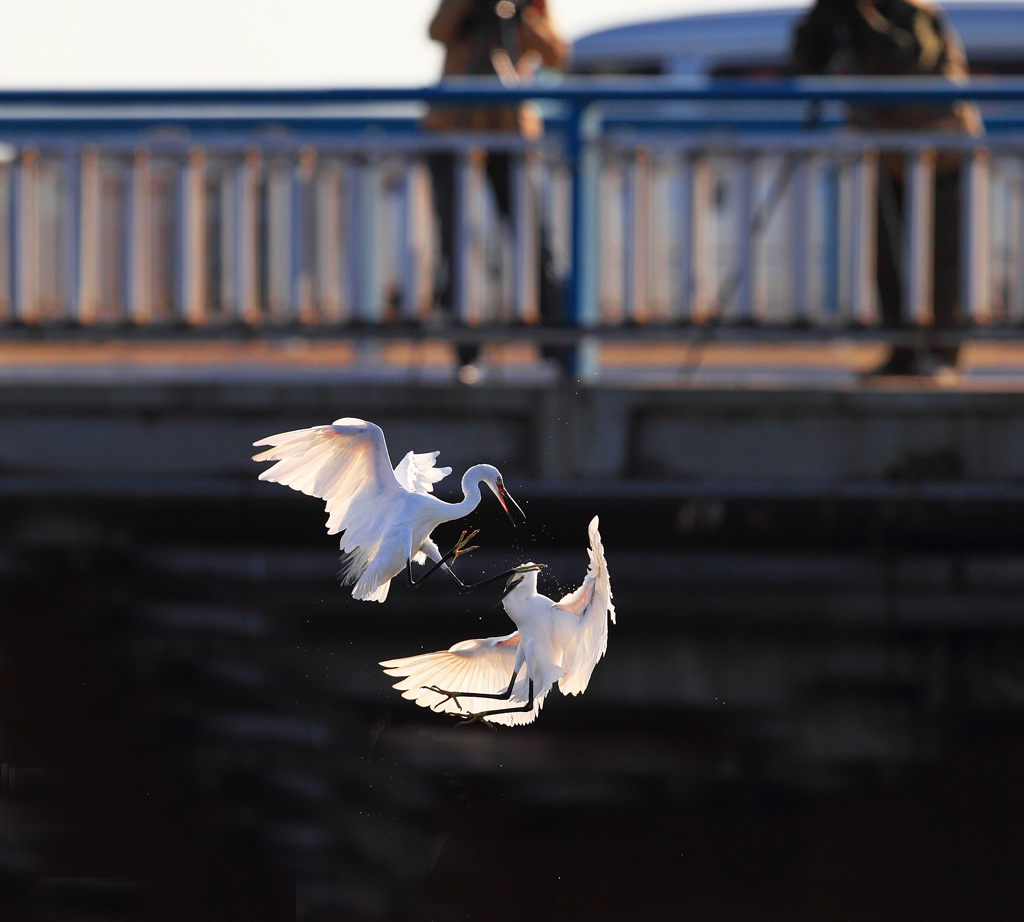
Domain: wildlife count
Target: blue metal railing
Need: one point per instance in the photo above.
(225, 204)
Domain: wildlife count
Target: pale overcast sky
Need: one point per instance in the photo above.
(258, 43)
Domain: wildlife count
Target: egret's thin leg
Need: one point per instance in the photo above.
(459, 549)
(482, 716)
(455, 695)
(472, 587)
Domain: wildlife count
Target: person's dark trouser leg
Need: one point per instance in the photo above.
(549, 293)
(442, 167)
(946, 274)
(889, 268)
(551, 302)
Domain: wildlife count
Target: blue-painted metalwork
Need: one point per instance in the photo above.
(574, 90)
(675, 118)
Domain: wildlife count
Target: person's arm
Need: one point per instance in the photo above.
(538, 37)
(814, 39)
(908, 36)
(447, 21)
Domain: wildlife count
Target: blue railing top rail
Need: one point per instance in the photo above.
(575, 91)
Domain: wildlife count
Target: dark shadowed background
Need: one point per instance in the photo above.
(811, 707)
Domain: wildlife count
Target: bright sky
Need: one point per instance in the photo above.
(258, 43)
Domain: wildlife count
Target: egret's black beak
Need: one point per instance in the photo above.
(513, 582)
(501, 600)
(504, 497)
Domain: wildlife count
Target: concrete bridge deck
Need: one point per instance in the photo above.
(747, 418)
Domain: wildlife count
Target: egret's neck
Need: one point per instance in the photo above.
(529, 582)
(470, 491)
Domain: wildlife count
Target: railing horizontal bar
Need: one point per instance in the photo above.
(835, 143)
(576, 90)
(838, 142)
(397, 129)
(226, 142)
(293, 332)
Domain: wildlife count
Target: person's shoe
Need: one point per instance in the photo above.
(945, 356)
(470, 374)
(902, 361)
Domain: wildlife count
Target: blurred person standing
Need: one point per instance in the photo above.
(900, 38)
(491, 38)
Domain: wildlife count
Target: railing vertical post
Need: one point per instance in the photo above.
(618, 247)
(329, 244)
(685, 237)
(638, 238)
(975, 247)
(469, 232)
(799, 240)
(72, 229)
(245, 242)
(918, 236)
(90, 250)
(369, 306)
(6, 239)
(702, 306)
(414, 221)
(277, 235)
(14, 230)
(829, 199)
(191, 270)
(525, 228)
(1015, 307)
(138, 222)
(26, 261)
(745, 249)
(353, 238)
(862, 251)
(404, 242)
(301, 282)
(581, 282)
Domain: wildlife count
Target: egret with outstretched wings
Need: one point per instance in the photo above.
(385, 516)
(555, 642)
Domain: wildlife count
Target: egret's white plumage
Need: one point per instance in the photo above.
(556, 642)
(385, 516)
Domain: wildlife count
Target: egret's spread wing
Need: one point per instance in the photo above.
(470, 666)
(592, 605)
(346, 464)
(418, 474)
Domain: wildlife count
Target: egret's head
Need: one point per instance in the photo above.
(524, 573)
(492, 477)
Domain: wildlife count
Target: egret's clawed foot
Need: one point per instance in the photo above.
(468, 719)
(460, 545)
(448, 696)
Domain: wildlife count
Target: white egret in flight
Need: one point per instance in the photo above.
(556, 642)
(385, 516)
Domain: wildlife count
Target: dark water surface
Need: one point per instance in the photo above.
(807, 711)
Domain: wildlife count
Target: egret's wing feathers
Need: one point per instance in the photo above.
(471, 666)
(346, 464)
(417, 472)
(592, 604)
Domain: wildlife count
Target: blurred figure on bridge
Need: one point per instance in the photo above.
(504, 39)
(900, 38)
